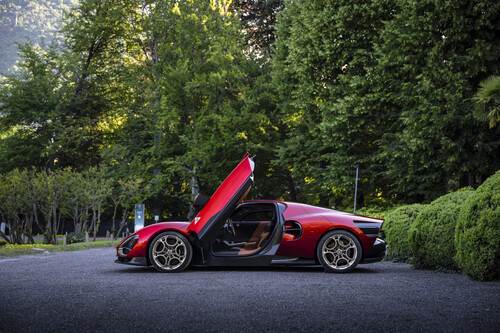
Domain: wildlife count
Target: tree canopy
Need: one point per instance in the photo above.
(171, 93)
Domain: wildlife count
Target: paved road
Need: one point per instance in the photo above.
(85, 291)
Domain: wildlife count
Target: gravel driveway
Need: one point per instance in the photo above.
(85, 291)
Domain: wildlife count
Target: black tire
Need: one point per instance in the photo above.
(339, 251)
(170, 252)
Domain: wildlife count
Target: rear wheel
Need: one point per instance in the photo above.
(170, 252)
(339, 251)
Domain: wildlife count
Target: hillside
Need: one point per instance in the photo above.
(23, 20)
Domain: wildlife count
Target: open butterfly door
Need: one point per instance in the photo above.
(225, 199)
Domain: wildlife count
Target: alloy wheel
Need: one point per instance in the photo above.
(339, 251)
(169, 252)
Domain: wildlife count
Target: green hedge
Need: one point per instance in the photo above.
(432, 236)
(396, 226)
(477, 235)
(377, 212)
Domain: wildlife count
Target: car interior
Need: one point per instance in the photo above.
(247, 230)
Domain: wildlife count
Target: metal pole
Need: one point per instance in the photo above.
(356, 187)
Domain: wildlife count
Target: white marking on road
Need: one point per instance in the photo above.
(5, 260)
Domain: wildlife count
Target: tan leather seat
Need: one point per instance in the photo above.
(258, 237)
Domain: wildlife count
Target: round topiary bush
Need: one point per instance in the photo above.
(477, 235)
(432, 236)
(75, 237)
(396, 226)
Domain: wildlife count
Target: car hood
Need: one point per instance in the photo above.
(220, 205)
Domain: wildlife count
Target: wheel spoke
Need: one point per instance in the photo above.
(346, 257)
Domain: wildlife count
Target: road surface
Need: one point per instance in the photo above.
(85, 291)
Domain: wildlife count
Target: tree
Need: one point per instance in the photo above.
(431, 55)
(31, 101)
(58, 108)
(49, 190)
(488, 101)
(131, 191)
(77, 202)
(98, 190)
(258, 19)
(185, 128)
(16, 206)
(322, 68)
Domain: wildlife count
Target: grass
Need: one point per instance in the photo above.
(18, 250)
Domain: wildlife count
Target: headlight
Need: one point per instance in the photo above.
(128, 245)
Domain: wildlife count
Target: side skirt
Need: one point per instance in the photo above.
(286, 261)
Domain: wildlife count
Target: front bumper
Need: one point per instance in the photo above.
(377, 253)
(138, 261)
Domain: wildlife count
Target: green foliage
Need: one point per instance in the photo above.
(170, 94)
(488, 101)
(477, 234)
(75, 237)
(258, 23)
(432, 236)
(353, 91)
(320, 68)
(379, 212)
(57, 108)
(30, 197)
(396, 227)
(16, 205)
(52, 110)
(431, 57)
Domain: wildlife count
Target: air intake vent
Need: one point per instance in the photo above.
(293, 228)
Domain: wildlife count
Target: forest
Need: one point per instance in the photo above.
(163, 97)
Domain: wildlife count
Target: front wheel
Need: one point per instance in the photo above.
(170, 252)
(339, 251)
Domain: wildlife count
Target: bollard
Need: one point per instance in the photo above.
(64, 243)
(87, 239)
(107, 234)
(112, 240)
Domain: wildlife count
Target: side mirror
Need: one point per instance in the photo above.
(200, 201)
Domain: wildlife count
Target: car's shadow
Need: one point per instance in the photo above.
(277, 268)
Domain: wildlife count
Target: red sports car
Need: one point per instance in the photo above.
(228, 231)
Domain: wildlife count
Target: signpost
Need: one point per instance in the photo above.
(139, 217)
(356, 188)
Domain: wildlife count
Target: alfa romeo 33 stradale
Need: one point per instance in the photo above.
(228, 231)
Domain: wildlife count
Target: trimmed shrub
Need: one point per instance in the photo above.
(377, 212)
(432, 236)
(396, 226)
(477, 235)
(75, 237)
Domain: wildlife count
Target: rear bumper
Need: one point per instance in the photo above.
(138, 261)
(377, 253)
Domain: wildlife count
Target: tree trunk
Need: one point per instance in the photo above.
(98, 221)
(54, 224)
(291, 187)
(94, 218)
